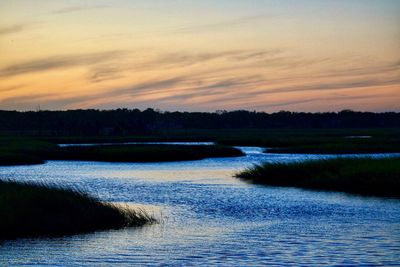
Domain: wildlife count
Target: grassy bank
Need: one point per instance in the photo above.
(143, 153)
(36, 210)
(19, 151)
(277, 138)
(319, 141)
(375, 177)
(33, 150)
(344, 147)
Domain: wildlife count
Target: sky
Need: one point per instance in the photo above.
(187, 55)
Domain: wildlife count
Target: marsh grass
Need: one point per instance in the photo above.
(345, 146)
(366, 176)
(143, 153)
(316, 141)
(20, 151)
(28, 150)
(28, 209)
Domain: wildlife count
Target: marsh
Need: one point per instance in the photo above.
(214, 218)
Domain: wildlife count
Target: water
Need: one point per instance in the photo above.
(142, 143)
(209, 218)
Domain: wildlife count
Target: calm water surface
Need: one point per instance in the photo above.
(209, 218)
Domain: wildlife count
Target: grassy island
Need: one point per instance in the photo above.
(366, 176)
(20, 151)
(143, 153)
(40, 210)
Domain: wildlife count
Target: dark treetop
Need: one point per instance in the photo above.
(134, 121)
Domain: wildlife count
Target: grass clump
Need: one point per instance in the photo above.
(366, 176)
(36, 209)
(143, 153)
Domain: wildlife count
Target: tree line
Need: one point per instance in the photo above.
(150, 121)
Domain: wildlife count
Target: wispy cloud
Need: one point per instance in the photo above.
(259, 93)
(206, 89)
(341, 85)
(24, 102)
(178, 92)
(179, 89)
(215, 85)
(222, 25)
(16, 28)
(287, 104)
(370, 69)
(58, 62)
(128, 92)
(146, 87)
(45, 100)
(185, 59)
(10, 88)
(76, 9)
(104, 73)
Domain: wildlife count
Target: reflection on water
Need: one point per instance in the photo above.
(209, 218)
(142, 143)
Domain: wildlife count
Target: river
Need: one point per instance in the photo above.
(208, 218)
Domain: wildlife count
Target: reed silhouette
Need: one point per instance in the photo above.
(28, 209)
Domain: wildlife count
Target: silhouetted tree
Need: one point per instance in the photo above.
(134, 121)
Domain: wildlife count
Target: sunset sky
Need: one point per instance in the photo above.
(309, 55)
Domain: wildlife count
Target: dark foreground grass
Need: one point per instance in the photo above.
(367, 176)
(41, 210)
(143, 153)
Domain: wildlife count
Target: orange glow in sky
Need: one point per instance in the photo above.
(303, 55)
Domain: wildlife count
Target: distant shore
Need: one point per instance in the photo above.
(38, 149)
